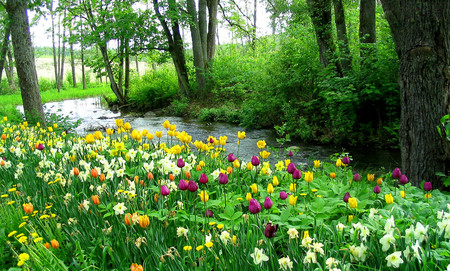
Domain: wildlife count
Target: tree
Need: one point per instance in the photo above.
(367, 29)
(24, 56)
(341, 29)
(421, 32)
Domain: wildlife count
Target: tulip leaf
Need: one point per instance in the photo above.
(229, 211)
(236, 215)
(284, 217)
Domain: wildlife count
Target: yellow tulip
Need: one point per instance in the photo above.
(316, 163)
(166, 124)
(241, 135)
(119, 122)
(292, 199)
(370, 177)
(236, 164)
(287, 162)
(249, 166)
(292, 187)
(350, 218)
(127, 126)
(261, 144)
(89, 138)
(159, 134)
(270, 189)
(254, 188)
(309, 177)
(275, 181)
(338, 162)
(223, 140)
(402, 194)
(109, 131)
(172, 127)
(389, 198)
(264, 154)
(353, 203)
(248, 197)
(204, 196)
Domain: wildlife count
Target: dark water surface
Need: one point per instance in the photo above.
(94, 116)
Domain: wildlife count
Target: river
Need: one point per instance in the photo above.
(94, 115)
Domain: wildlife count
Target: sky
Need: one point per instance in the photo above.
(41, 36)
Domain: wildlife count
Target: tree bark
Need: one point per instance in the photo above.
(24, 56)
(212, 30)
(63, 55)
(137, 65)
(320, 11)
(367, 30)
(203, 27)
(341, 29)
(83, 74)
(55, 62)
(114, 86)
(72, 63)
(127, 68)
(10, 71)
(421, 32)
(4, 49)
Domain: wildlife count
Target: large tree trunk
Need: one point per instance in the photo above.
(137, 65)
(10, 71)
(4, 49)
(203, 27)
(127, 68)
(367, 30)
(197, 48)
(72, 63)
(212, 30)
(55, 62)
(83, 74)
(421, 32)
(107, 63)
(321, 19)
(24, 56)
(341, 29)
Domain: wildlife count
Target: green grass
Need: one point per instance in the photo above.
(9, 102)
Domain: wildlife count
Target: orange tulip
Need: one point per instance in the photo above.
(76, 171)
(54, 243)
(187, 174)
(150, 176)
(96, 199)
(171, 177)
(198, 168)
(156, 197)
(229, 170)
(94, 173)
(379, 181)
(136, 267)
(3, 137)
(2, 163)
(128, 219)
(136, 179)
(142, 182)
(333, 175)
(17, 138)
(28, 208)
(102, 177)
(144, 221)
(47, 245)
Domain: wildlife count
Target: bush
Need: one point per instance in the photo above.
(46, 84)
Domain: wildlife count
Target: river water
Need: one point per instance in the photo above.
(95, 116)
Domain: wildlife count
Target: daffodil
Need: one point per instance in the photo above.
(394, 259)
(259, 257)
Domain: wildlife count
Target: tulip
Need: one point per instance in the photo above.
(204, 196)
(404, 180)
(249, 166)
(96, 199)
(357, 177)
(270, 189)
(76, 171)
(427, 186)
(255, 161)
(396, 173)
(192, 186)
(275, 181)
(102, 177)
(290, 154)
(352, 203)
(94, 173)
(338, 162)
(270, 230)
(268, 203)
(377, 189)
(236, 164)
(211, 140)
(231, 158)
(28, 208)
(291, 168)
(254, 207)
(316, 163)
(292, 187)
(389, 198)
(292, 199)
(164, 190)
(203, 179)
(54, 243)
(283, 195)
(181, 163)
(40, 147)
(248, 197)
(136, 267)
(128, 219)
(309, 176)
(346, 197)
(296, 174)
(144, 221)
(150, 176)
(182, 185)
(209, 213)
(370, 177)
(223, 178)
(402, 194)
(345, 160)
(333, 175)
(254, 188)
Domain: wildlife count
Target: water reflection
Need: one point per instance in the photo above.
(94, 116)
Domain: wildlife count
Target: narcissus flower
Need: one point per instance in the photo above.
(259, 257)
(394, 259)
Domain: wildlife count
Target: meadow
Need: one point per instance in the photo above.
(132, 200)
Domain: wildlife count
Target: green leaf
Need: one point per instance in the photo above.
(229, 211)
(106, 215)
(284, 217)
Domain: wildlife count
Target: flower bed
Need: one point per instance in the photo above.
(128, 199)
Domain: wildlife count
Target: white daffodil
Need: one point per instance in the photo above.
(225, 237)
(293, 233)
(420, 233)
(119, 208)
(387, 241)
(182, 232)
(285, 263)
(394, 259)
(390, 225)
(331, 263)
(259, 257)
(310, 257)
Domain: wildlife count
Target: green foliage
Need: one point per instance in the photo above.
(46, 84)
(155, 89)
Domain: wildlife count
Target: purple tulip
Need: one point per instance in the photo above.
(290, 154)
(181, 163)
(283, 195)
(345, 160)
(40, 147)
(270, 230)
(377, 189)
(255, 161)
(209, 213)
(404, 180)
(182, 185)
(164, 190)
(4, 158)
(297, 174)
(396, 173)
(346, 197)
(211, 140)
(231, 158)
(357, 177)
(268, 203)
(291, 168)
(192, 186)
(223, 178)
(254, 207)
(203, 179)
(427, 186)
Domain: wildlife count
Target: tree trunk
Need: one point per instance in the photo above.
(120, 56)
(72, 63)
(55, 62)
(10, 71)
(24, 56)
(255, 5)
(110, 73)
(137, 65)
(367, 30)
(212, 30)
(83, 74)
(341, 29)
(127, 68)
(421, 32)
(197, 48)
(63, 55)
(4, 49)
(203, 27)
(321, 19)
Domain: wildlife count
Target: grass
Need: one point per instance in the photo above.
(8, 103)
